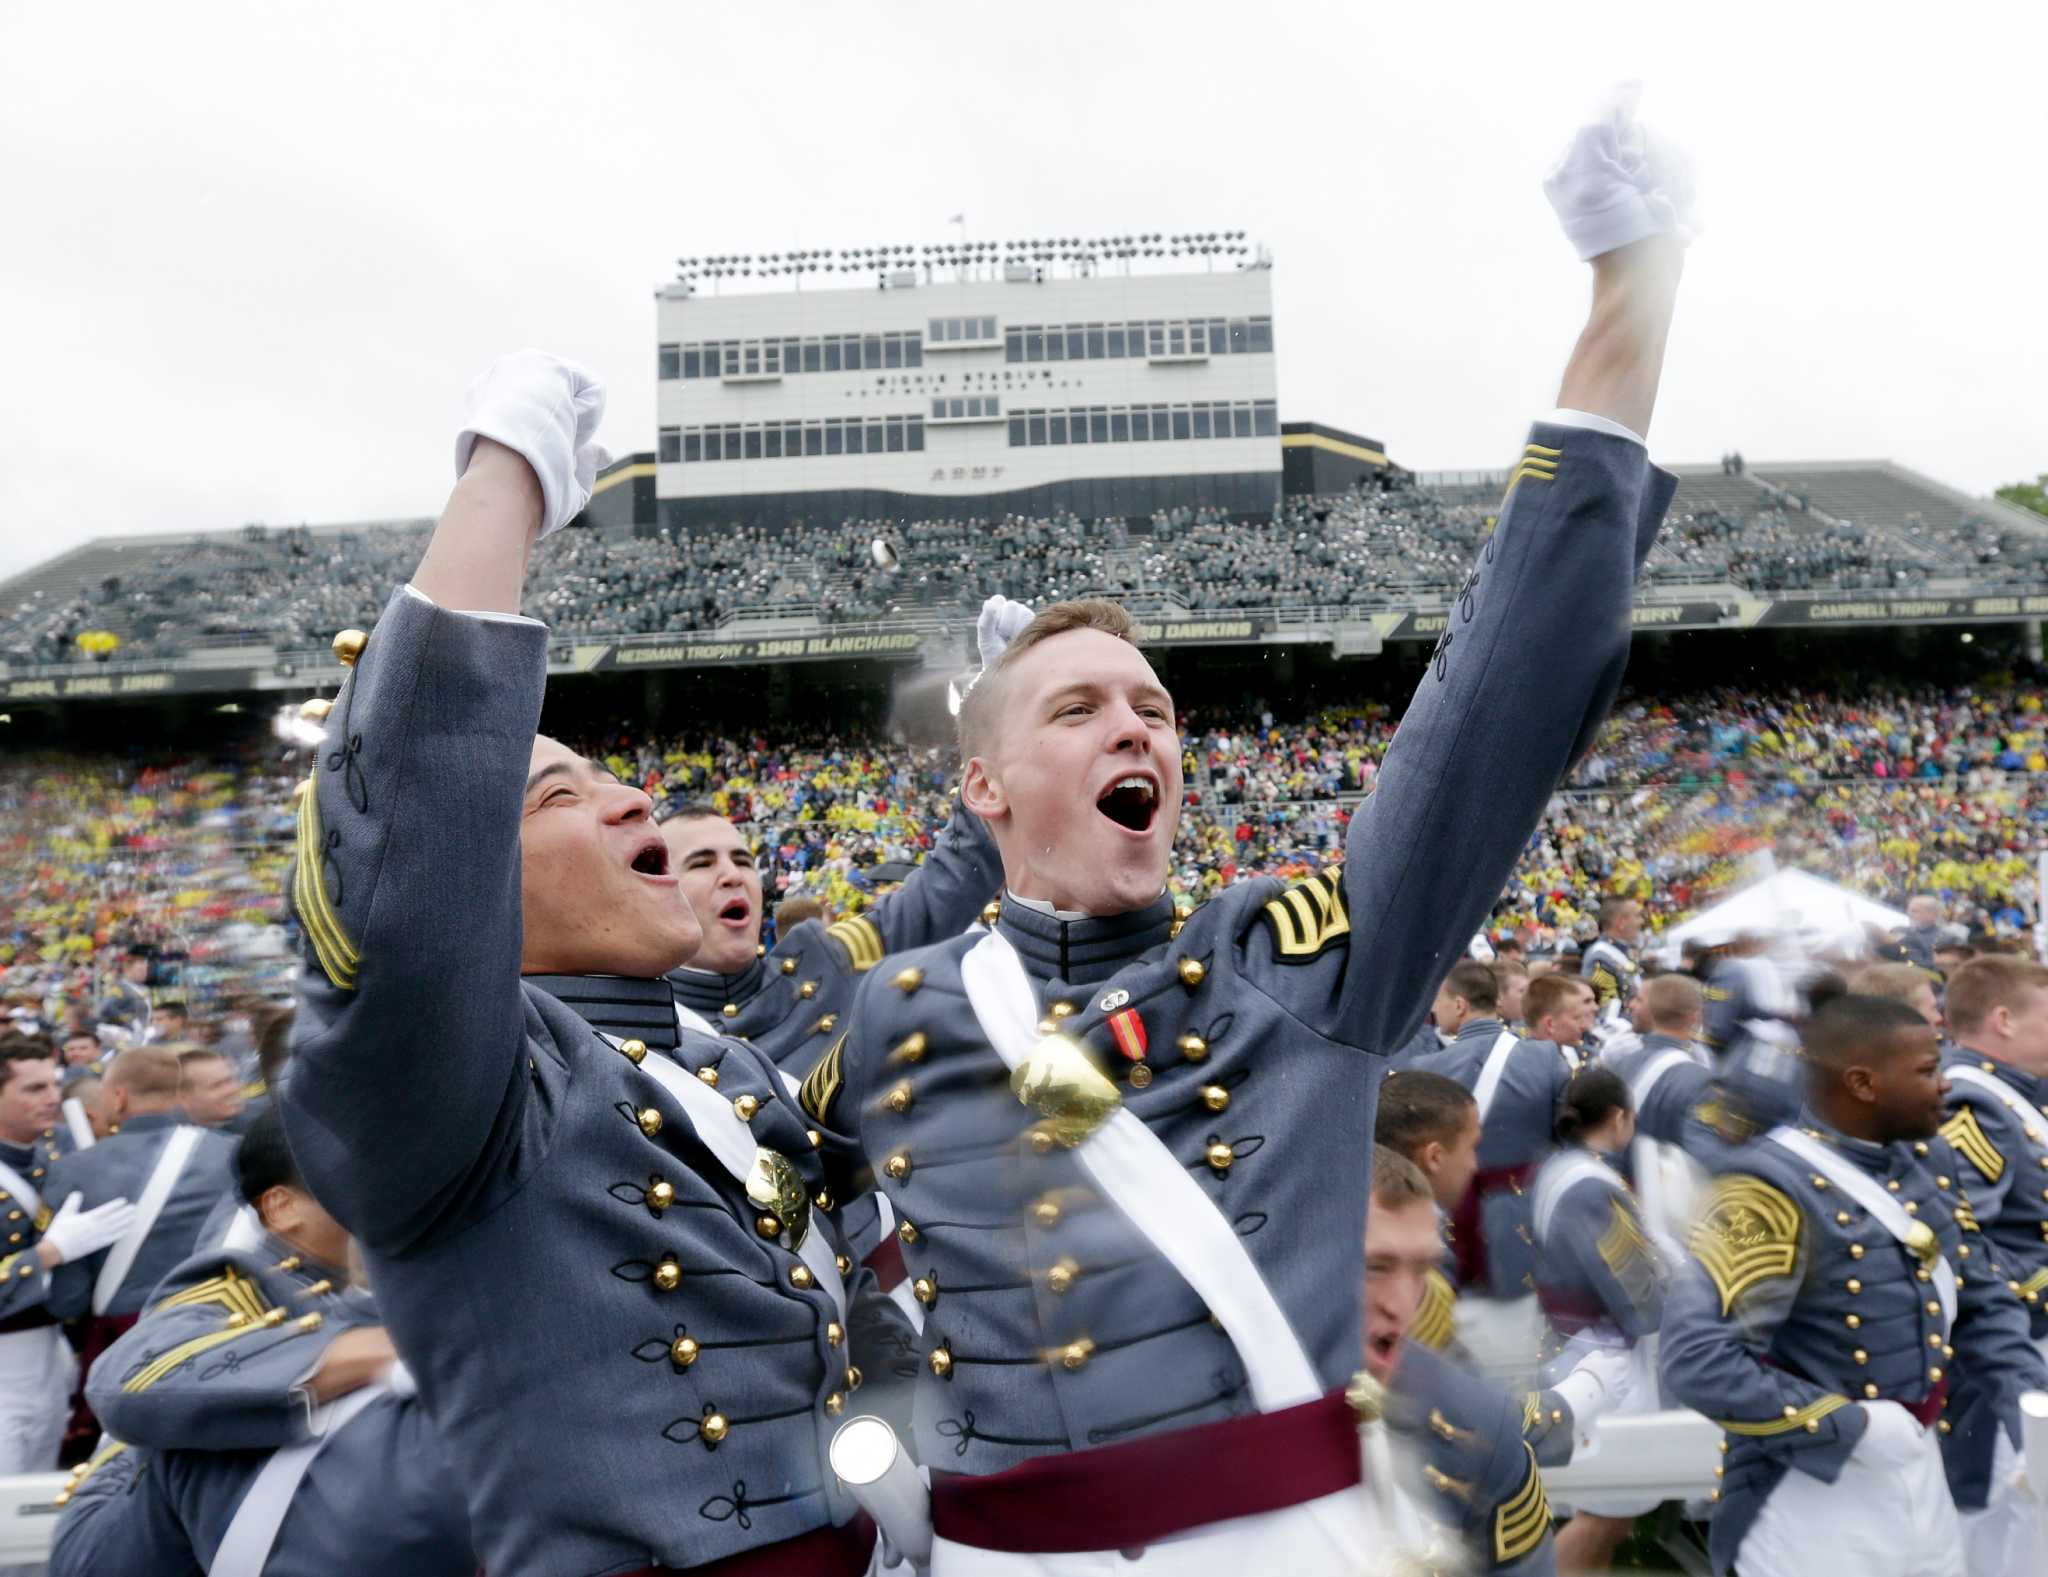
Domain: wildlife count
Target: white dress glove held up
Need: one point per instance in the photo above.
(75, 1232)
(1001, 622)
(1618, 182)
(547, 410)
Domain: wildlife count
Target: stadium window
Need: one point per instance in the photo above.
(1265, 418)
(712, 444)
(1155, 339)
(693, 447)
(913, 351)
(750, 357)
(936, 328)
(1141, 424)
(1097, 346)
(671, 445)
(1016, 429)
(829, 354)
(1013, 345)
(771, 442)
(1201, 416)
(1161, 424)
(894, 429)
(1037, 428)
(871, 351)
(1219, 337)
(1176, 339)
(988, 328)
(1241, 421)
(1098, 426)
(753, 443)
(792, 439)
(670, 362)
(835, 438)
(915, 435)
(814, 439)
(1238, 341)
(1059, 427)
(1119, 426)
(1034, 344)
(877, 437)
(771, 357)
(1055, 345)
(1261, 333)
(792, 355)
(1113, 342)
(1077, 427)
(814, 355)
(1198, 338)
(892, 351)
(1077, 344)
(1181, 430)
(689, 361)
(730, 351)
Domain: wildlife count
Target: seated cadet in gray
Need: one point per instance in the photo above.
(595, 1243)
(1468, 1464)
(174, 1172)
(1068, 1351)
(271, 1428)
(1833, 1286)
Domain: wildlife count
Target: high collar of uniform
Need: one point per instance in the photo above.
(151, 1122)
(305, 1267)
(621, 1005)
(1866, 1153)
(706, 991)
(18, 1156)
(1086, 950)
(2026, 1083)
(1479, 1029)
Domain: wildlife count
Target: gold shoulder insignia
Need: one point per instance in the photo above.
(231, 1290)
(1308, 917)
(1749, 1233)
(331, 945)
(1532, 1409)
(1432, 1325)
(821, 1085)
(2034, 1286)
(254, 1089)
(861, 939)
(1538, 463)
(1628, 1254)
(1523, 1520)
(1604, 984)
(166, 1363)
(1973, 1144)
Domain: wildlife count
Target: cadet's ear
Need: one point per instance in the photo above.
(1859, 1083)
(1430, 1157)
(980, 792)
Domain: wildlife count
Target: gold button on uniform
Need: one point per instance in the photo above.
(845, 1264)
(835, 1404)
(800, 1277)
(709, 1076)
(1870, 1391)
(835, 1333)
(1074, 1355)
(668, 1276)
(899, 1097)
(807, 990)
(1853, 1321)
(769, 1227)
(1215, 1097)
(649, 1120)
(789, 966)
(683, 1351)
(1219, 1157)
(714, 1428)
(925, 1290)
(1855, 1250)
(908, 980)
(1191, 971)
(744, 1108)
(897, 1166)
(731, 1010)
(634, 1051)
(348, 646)
(940, 1362)
(1061, 1276)
(1193, 1047)
(910, 1048)
(906, 1232)
(853, 1378)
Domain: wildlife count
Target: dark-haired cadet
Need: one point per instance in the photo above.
(264, 1425)
(1599, 1280)
(1833, 1287)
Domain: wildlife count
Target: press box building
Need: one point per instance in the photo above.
(968, 381)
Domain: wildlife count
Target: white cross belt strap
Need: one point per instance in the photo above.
(1491, 1072)
(1653, 1072)
(252, 1533)
(1142, 1178)
(733, 1143)
(163, 1177)
(21, 1189)
(1559, 1177)
(1996, 1087)
(1860, 1186)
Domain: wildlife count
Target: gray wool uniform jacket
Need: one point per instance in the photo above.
(625, 1370)
(207, 1387)
(1262, 1025)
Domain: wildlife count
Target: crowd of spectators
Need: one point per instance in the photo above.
(1891, 791)
(291, 588)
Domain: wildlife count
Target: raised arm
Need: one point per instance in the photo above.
(941, 898)
(410, 1063)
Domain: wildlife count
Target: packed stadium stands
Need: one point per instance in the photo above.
(1798, 528)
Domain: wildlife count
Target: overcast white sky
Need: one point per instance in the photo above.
(254, 250)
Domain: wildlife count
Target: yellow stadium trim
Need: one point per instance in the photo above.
(1524, 1517)
(1797, 1418)
(821, 1085)
(1334, 445)
(1749, 1233)
(623, 474)
(337, 954)
(1433, 1323)
(1973, 1144)
(862, 940)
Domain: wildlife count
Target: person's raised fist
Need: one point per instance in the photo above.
(547, 411)
(1618, 182)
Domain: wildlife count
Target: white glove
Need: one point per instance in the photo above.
(1001, 622)
(1617, 182)
(547, 410)
(74, 1232)
(1598, 1383)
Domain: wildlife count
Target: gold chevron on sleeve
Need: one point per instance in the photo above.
(1523, 1518)
(861, 939)
(1628, 1254)
(1537, 463)
(157, 1368)
(1433, 1321)
(337, 955)
(1749, 1234)
(2036, 1285)
(821, 1085)
(232, 1291)
(1793, 1418)
(1973, 1144)
(1308, 917)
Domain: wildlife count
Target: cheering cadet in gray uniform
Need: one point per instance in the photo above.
(1146, 1276)
(599, 1248)
(273, 1431)
(1835, 1284)
(1609, 965)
